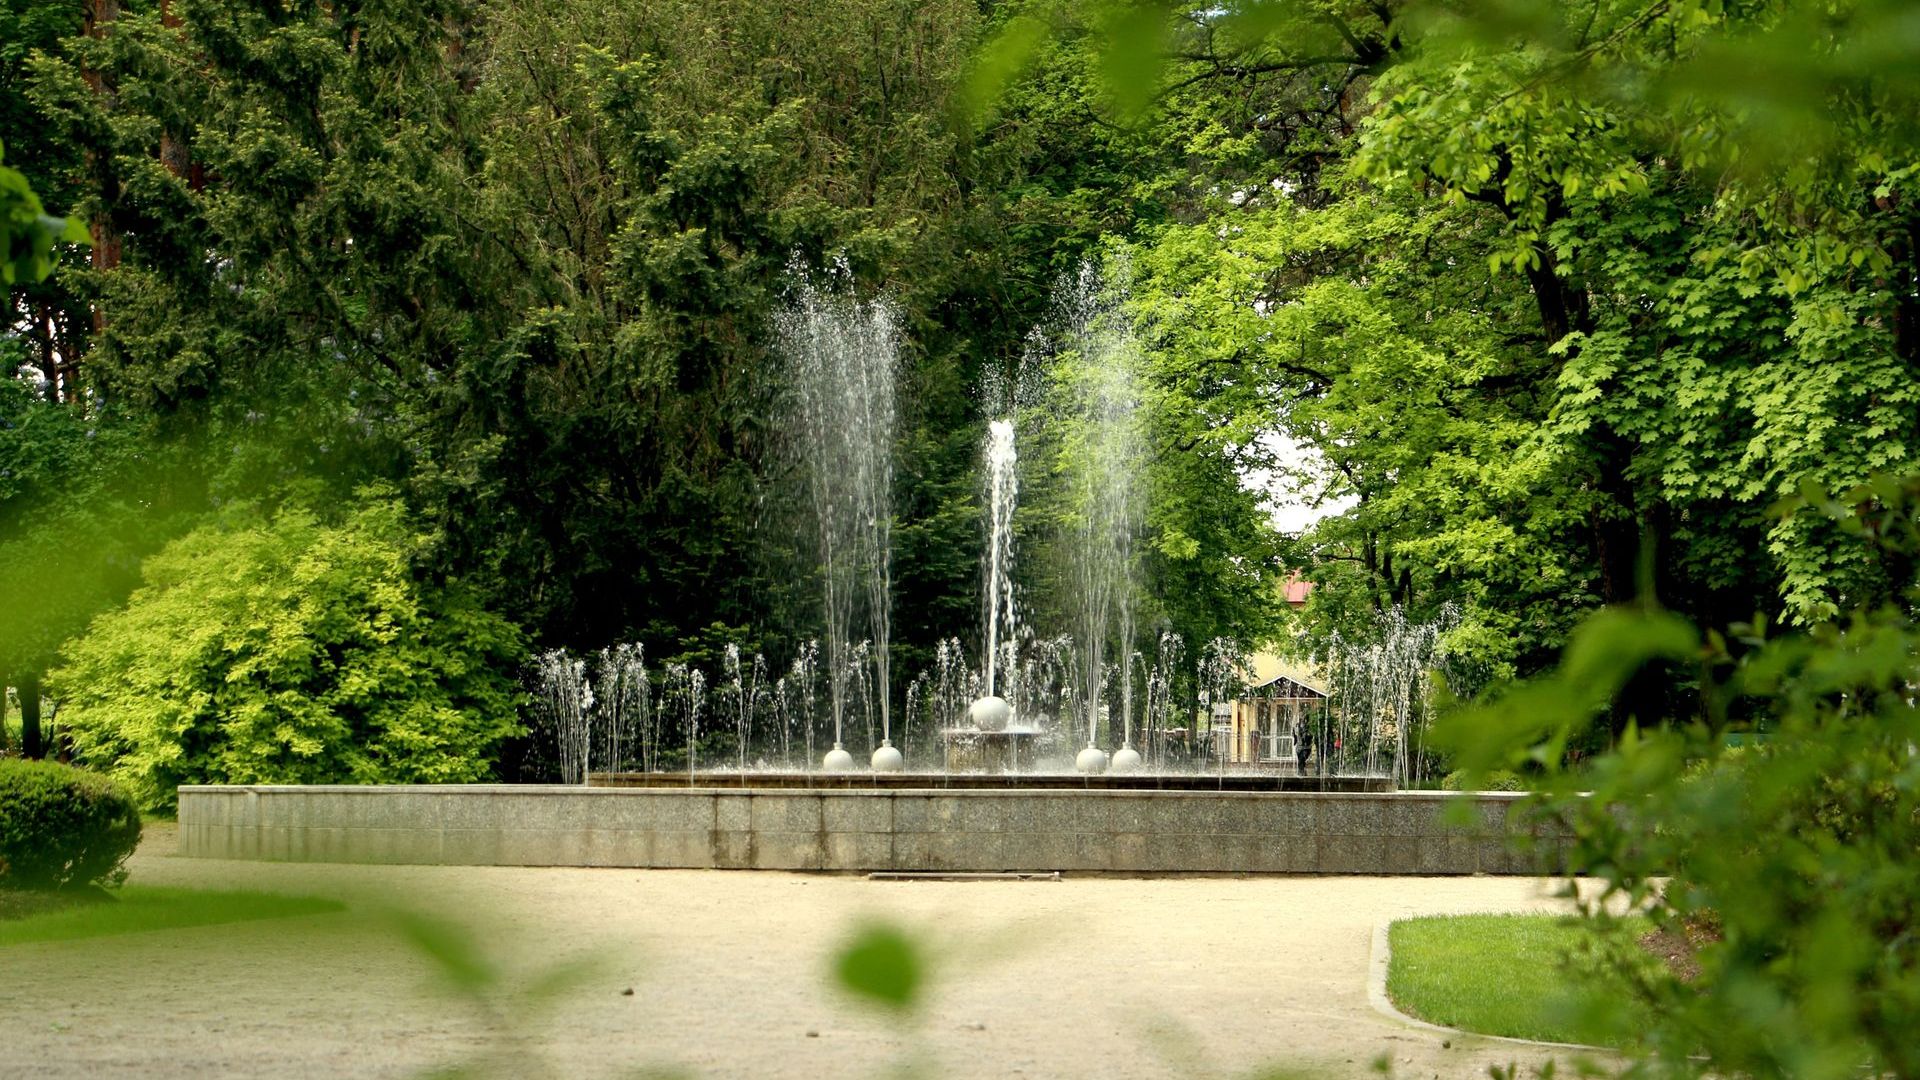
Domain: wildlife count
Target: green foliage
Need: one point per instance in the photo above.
(45, 320)
(82, 500)
(62, 827)
(140, 908)
(1532, 284)
(27, 232)
(1497, 780)
(291, 650)
(1795, 852)
(514, 1010)
(883, 966)
(518, 261)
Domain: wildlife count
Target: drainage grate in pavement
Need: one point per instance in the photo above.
(937, 875)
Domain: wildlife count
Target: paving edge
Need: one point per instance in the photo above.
(1377, 963)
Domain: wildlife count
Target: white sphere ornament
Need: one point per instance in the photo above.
(1125, 760)
(989, 714)
(887, 759)
(1091, 760)
(838, 760)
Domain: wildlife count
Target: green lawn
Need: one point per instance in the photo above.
(138, 908)
(1492, 974)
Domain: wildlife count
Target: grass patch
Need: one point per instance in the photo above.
(139, 908)
(1498, 975)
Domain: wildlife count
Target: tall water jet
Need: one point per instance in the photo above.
(1126, 759)
(566, 696)
(1004, 393)
(842, 354)
(623, 705)
(1002, 492)
(1159, 713)
(1096, 376)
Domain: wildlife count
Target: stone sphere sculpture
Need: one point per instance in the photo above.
(838, 760)
(887, 759)
(990, 714)
(1091, 760)
(1125, 760)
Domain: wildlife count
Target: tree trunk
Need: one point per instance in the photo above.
(105, 253)
(30, 741)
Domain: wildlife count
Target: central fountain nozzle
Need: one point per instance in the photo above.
(886, 758)
(1091, 761)
(990, 714)
(838, 760)
(1125, 760)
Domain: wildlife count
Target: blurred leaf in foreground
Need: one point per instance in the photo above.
(882, 965)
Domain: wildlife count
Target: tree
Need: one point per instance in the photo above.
(1618, 333)
(29, 238)
(519, 262)
(47, 320)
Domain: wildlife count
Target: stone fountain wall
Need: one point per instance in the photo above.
(1127, 832)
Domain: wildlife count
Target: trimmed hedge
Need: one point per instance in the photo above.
(62, 827)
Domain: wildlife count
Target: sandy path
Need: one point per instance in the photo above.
(1097, 977)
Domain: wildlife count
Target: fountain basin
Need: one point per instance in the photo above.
(970, 781)
(988, 750)
(856, 829)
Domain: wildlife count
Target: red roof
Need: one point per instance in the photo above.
(1298, 589)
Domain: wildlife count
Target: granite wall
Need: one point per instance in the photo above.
(1128, 832)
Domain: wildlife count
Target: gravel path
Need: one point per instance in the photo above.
(1097, 977)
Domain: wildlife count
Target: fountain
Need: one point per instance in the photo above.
(1035, 705)
(990, 739)
(567, 696)
(991, 712)
(1027, 783)
(1381, 692)
(842, 353)
(1096, 362)
(626, 698)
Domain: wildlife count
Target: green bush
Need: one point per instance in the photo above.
(1787, 866)
(1495, 780)
(62, 827)
(291, 650)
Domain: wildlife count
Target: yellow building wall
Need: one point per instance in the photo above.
(1263, 668)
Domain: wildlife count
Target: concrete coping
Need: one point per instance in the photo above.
(577, 790)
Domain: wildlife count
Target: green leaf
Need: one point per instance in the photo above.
(454, 953)
(1135, 55)
(882, 965)
(73, 231)
(1002, 58)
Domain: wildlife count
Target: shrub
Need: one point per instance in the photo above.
(1494, 780)
(62, 827)
(292, 650)
(1790, 865)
